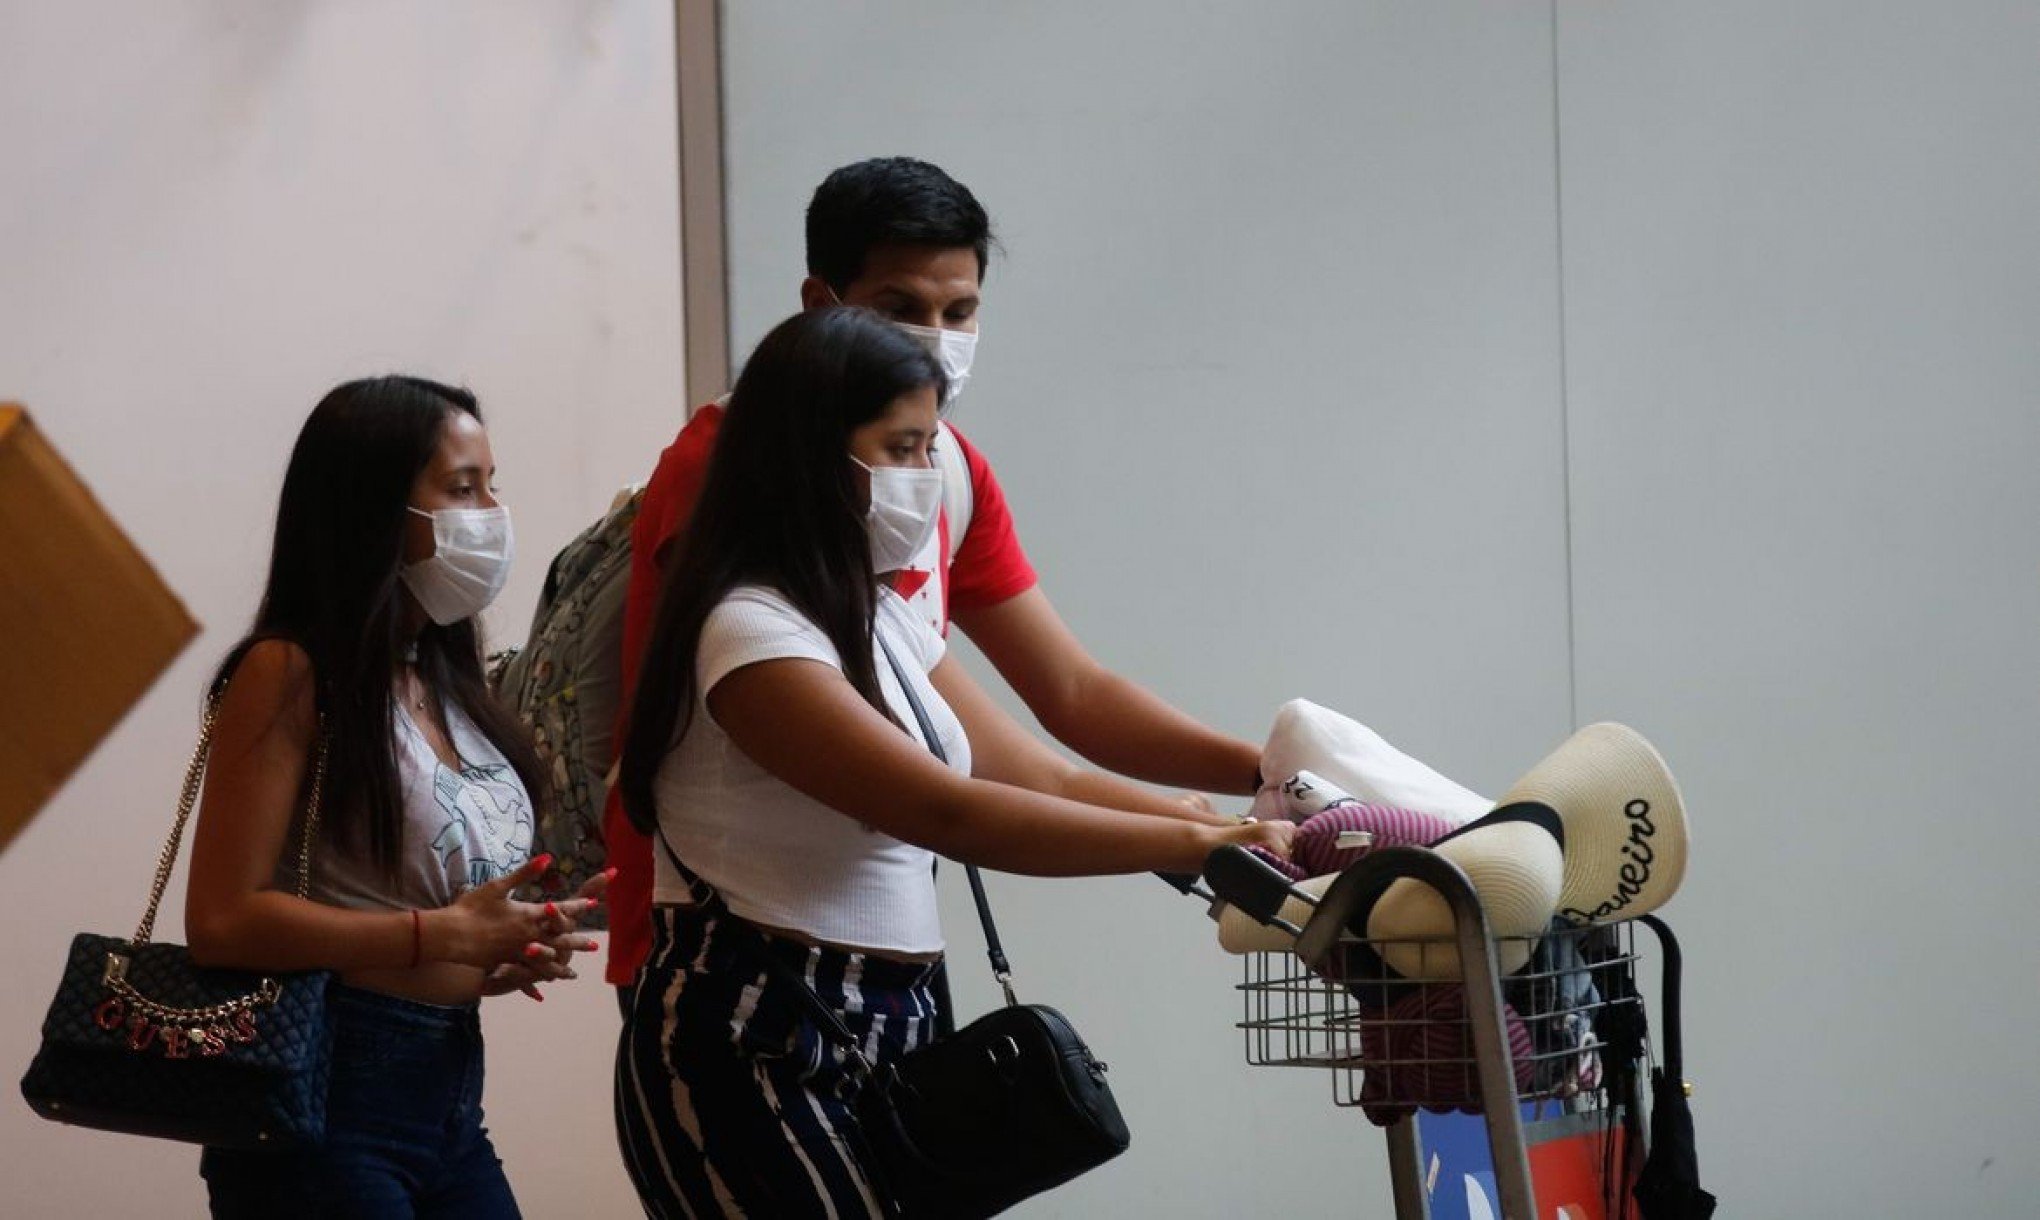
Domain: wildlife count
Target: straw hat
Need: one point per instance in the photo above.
(1515, 858)
(1238, 933)
(1625, 825)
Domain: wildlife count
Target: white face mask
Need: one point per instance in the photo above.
(901, 519)
(470, 562)
(952, 349)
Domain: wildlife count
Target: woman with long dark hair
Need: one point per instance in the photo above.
(774, 749)
(364, 667)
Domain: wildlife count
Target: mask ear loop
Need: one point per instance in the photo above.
(866, 481)
(434, 519)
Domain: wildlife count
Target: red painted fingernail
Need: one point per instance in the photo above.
(593, 903)
(542, 863)
(593, 945)
(533, 951)
(551, 911)
(539, 996)
(609, 872)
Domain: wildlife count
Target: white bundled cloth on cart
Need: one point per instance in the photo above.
(1356, 763)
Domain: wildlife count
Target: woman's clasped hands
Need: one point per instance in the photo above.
(520, 944)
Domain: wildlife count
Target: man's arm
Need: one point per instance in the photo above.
(1113, 722)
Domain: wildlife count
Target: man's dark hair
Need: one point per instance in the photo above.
(889, 201)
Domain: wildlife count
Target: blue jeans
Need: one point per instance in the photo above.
(404, 1135)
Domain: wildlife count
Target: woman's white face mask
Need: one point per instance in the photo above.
(904, 503)
(472, 550)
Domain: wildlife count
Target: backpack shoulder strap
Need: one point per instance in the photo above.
(958, 497)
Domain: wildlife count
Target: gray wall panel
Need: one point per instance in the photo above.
(1802, 275)
(1270, 372)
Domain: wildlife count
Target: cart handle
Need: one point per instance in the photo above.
(1251, 885)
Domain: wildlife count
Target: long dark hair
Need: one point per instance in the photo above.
(780, 506)
(333, 590)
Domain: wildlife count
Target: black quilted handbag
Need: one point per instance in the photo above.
(140, 1040)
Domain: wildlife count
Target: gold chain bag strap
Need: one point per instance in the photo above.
(139, 1039)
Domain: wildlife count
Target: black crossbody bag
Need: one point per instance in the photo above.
(1006, 1107)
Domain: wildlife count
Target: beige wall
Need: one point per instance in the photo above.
(214, 211)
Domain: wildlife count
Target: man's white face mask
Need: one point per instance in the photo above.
(952, 349)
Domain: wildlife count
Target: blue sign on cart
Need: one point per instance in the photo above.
(1455, 1167)
(1459, 1174)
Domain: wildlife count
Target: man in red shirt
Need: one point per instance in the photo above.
(906, 240)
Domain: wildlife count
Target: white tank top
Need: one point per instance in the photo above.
(462, 826)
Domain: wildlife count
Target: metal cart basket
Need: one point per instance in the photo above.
(1564, 1028)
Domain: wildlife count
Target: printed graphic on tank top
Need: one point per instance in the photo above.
(464, 825)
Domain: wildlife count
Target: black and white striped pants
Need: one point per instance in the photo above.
(727, 1101)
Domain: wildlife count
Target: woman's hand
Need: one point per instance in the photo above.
(486, 927)
(562, 940)
(550, 957)
(505, 979)
(1275, 837)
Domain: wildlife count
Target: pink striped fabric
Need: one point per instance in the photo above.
(1287, 869)
(1316, 848)
(1419, 1055)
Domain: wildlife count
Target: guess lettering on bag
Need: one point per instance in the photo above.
(175, 1041)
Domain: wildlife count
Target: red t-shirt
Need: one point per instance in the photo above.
(989, 568)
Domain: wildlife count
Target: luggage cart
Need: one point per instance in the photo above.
(1564, 1030)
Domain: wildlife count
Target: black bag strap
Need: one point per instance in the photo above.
(1002, 969)
(1669, 1183)
(1672, 967)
